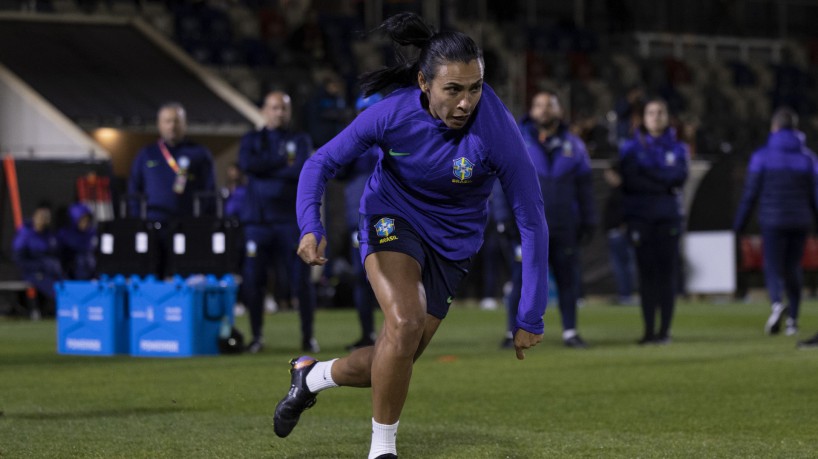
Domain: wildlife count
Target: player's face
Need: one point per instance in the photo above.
(277, 110)
(545, 110)
(454, 92)
(656, 118)
(171, 124)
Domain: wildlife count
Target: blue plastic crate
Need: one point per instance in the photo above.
(92, 317)
(179, 318)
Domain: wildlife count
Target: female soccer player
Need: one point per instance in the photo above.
(445, 137)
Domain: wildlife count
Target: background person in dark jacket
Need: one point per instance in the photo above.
(783, 178)
(564, 170)
(355, 176)
(271, 159)
(619, 246)
(78, 240)
(654, 167)
(170, 171)
(36, 253)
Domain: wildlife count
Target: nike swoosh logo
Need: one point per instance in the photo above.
(395, 153)
(449, 300)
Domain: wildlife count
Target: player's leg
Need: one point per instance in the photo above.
(300, 284)
(254, 273)
(666, 259)
(641, 238)
(773, 247)
(563, 261)
(794, 276)
(397, 283)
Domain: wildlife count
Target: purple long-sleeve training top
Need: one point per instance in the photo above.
(440, 179)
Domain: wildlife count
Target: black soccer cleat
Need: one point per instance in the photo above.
(298, 399)
(387, 456)
(811, 343)
(575, 342)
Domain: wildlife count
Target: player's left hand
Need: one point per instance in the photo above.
(525, 340)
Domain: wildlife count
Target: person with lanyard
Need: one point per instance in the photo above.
(271, 159)
(445, 138)
(564, 170)
(654, 167)
(782, 178)
(170, 172)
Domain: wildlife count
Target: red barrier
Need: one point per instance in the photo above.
(810, 260)
(752, 254)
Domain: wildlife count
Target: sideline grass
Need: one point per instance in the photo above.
(722, 389)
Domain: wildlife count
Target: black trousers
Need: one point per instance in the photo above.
(657, 257)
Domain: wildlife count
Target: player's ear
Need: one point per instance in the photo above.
(422, 82)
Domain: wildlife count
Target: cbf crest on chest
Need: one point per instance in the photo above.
(462, 169)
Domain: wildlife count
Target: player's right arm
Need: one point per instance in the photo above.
(364, 131)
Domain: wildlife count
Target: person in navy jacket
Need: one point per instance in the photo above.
(170, 171)
(355, 176)
(271, 159)
(235, 191)
(654, 168)
(445, 139)
(564, 171)
(36, 252)
(782, 178)
(78, 240)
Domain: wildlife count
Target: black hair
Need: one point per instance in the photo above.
(785, 118)
(408, 29)
(655, 100)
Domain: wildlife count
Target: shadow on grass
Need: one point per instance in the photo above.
(93, 414)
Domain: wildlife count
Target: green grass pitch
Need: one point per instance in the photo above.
(721, 389)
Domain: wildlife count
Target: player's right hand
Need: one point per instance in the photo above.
(311, 251)
(525, 340)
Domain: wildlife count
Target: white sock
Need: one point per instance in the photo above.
(383, 439)
(320, 377)
(568, 334)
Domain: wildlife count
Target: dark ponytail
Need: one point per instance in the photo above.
(408, 29)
